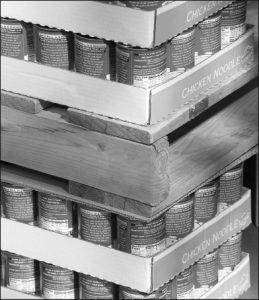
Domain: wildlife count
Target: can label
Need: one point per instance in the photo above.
(58, 283)
(229, 255)
(23, 273)
(233, 22)
(55, 214)
(95, 226)
(54, 47)
(19, 204)
(94, 288)
(184, 284)
(206, 272)
(180, 220)
(143, 239)
(127, 293)
(95, 57)
(230, 187)
(208, 38)
(141, 67)
(181, 52)
(146, 5)
(205, 203)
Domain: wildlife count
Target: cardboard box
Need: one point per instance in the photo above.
(121, 101)
(143, 274)
(112, 22)
(7, 293)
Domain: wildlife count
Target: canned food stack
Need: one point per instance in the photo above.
(107, 220)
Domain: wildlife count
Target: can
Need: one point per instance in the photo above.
(128, 293)
(59, 283)
(3, 269)
(205, 203)
(54, 47)
(184, 284)
(208, 37)
(94, 288)
(56, 214)
(95, 57)
(2, 201)
(230, 187)
(141, 67)
(17, 39)
(230, 254)
(95, 226)
(143, 239)
(20, 204)
(206, 273)
(179, 219)
(145, 5)
(181, 52)
(233, 22)
(22, 273)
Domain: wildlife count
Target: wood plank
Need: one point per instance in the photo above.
(55, 147)
(150, 134)
(23, 103)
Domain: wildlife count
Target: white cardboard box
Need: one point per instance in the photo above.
(143, 274)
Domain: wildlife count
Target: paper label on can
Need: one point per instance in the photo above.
(95, 226)
(184, 284)
(148, 250)
(19, 204)
(55, 214)
(23, 273)
(229, 34)
(128, 293)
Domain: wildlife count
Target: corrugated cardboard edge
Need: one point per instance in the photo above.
(143, 274)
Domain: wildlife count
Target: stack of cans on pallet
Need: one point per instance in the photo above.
(62, 216)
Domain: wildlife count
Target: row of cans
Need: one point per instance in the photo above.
(104, 228)
(136, 66)
(53, 282)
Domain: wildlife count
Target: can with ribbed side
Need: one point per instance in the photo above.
(206, 272)
(94, 288)
(20, 204)
(184, 284)
(141, 67)
(56, 214)
(233, 22)
(230, 254)
(127, 293)
(145, 5)
(22, 273)
(95, 57)
(179, 219)
(17, 39)
(95, 226)
(208, 37)
(181, 52)
(59, 283)
(54, 47)
(143, 239)
(205, 203)
(230, 187)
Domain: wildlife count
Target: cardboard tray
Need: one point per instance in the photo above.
(121, 101)
(143, 274)
(112, 22)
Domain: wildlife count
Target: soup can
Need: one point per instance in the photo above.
(179, 219)
(59, 283)
(95, 226)
(141, 67)
(208, 37)
(184, 283)
(54, 47)
(205, 203)
(230, 187)
(17, 39)
(94, 288)
(95, 57)
(56, 214)
(22, 273)
(127, 293)
(233, 22)
(20, 204)
(143, 239)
